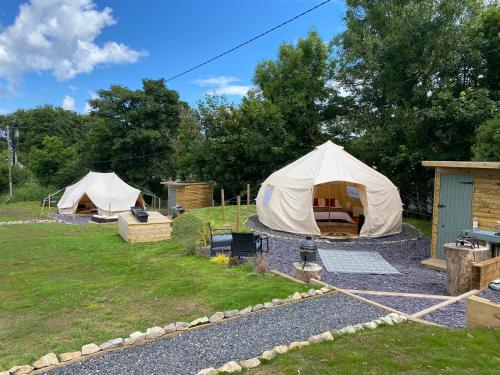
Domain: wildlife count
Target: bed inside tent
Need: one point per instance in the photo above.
(338, 209)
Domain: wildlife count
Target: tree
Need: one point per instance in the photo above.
(487, 146)
(297, 84)
(414, 72)
(54, 163)
(133, 132)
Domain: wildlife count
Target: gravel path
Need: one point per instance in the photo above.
(238, 339)
(70, 219)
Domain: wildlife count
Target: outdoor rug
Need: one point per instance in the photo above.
(343, 261)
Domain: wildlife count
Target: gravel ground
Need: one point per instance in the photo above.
(404, 304)
(453, 315)
(405, 256)
(70, 219)
(491, 294)
(238, 339)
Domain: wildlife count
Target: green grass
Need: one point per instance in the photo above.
(62, 286)
(423, 225)
(21, 211)
(403, 349)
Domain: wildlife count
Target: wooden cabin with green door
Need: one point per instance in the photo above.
(462, 191)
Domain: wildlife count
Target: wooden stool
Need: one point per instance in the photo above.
(459, 266)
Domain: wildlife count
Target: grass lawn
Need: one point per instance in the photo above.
(403, 349)
(63, 286)
(423, 225)
(20, 211)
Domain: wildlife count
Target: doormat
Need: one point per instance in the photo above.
(343, 261)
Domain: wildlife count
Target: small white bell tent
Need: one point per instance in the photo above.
(101, 193)
(330, 192)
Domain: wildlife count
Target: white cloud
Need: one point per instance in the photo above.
(239, 90)
(87, 107)
(223, 85)
(4, 111)
(58, 36)
(68, 103)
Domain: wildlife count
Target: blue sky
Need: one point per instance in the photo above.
(65, 50)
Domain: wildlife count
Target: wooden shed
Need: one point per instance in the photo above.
(190, 194)
(462, 191)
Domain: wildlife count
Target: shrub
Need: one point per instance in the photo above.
(29, 192)
(221, 259)
(187, 228)
(205, 232)
(191, 248)
(261, 265)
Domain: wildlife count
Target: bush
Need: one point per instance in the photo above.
(29, 192)
(221, 259)
(187, 228)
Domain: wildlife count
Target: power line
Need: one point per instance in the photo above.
(248, 41)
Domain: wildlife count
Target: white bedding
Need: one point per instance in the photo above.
(333, 216)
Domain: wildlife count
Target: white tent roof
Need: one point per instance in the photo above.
(285, 198)
(109, 193)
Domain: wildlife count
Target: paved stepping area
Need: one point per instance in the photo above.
(238, 339)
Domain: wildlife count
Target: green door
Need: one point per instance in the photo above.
(455, 206)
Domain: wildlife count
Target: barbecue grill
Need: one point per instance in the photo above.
(307, 250)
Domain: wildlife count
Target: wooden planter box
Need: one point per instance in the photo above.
(485, 272)
(158, 228)
(482, 312)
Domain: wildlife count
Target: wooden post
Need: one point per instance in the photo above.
(248, 197)
(238, 203)
(222, 202)
(49, 203)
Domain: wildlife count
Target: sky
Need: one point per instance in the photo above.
(61, 52)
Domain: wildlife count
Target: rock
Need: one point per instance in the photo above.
(311, 292)
(137, 336)
(370, 325)
(90, 349)
(379, 321)
(296, 296)
(21, 370)
(46, 361)
(304, 294)
(298, 345)
(387, 320)
(268, 355)
(65, 357)
(396, 318)
(208, 371)
(268, 305)
(277, 301)
(199, 321)
(169, 328)
(325, 289)
(325, 336)
(154, 332)
(231, 313)
(216, 317)
(4, 373)
(246, 310)
(336, 332)
(250, 363)
(358, 327)
(280, 349)
(288, 299)
(230, 367)
(181, 326)
(319, 292)
(110, 344)
(348, 330)
(258, 307)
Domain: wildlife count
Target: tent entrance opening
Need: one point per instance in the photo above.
(337, 207)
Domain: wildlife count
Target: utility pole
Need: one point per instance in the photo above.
(9, 152)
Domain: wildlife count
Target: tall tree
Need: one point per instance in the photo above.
(132, 132)
(297, 83)
(413, 69)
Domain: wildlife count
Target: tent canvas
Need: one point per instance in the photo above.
(287, 197)
(106, 192)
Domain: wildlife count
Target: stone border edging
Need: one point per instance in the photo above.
(268, 355)
(34, 221)
(51, 361)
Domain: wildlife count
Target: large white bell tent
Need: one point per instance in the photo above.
(101, 193)
(330, 192)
